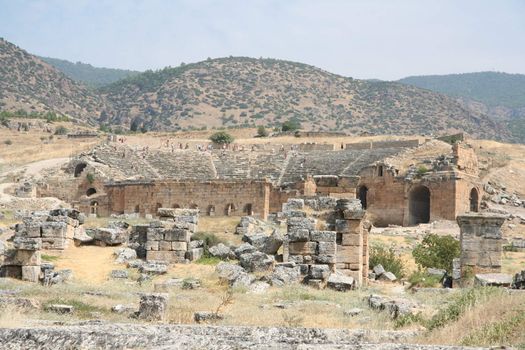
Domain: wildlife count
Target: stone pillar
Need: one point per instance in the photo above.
(481, 243)
(352, 240)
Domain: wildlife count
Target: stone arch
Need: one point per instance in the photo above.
(93, 208)
(91, 191)
(230, 208)
(248, 209)
(474, 200)
(79, 168)
(419, 205)
(211, 210)
(362, 195)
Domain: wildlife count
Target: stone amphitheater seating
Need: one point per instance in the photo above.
(237, 165)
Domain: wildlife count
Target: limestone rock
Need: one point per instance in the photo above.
(258, 287)
(493, 279)
(243, 249)
(353, 312)
(235, 275)
(378, 270)
(165, 286)
(109, 236)
(284, 275)
(388, 276)
(153, 307)
(61, 308)
(80, 236)
(256, 262)
(340, 282)
(266, 244)
(436, 272)
(119, 274)
(395, 307)
(319, 272)
(154, 268)
(518, 282)
(191, 283)
(196, 244)
(206, 316)
(122, 309)
(124, 255)
(194, 254)
(221, 251)
(135, 263)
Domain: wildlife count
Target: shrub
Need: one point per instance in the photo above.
(221, 137)
(61, 130)
(423, 279)
(388, 258)
(290, 125)
(422, 170)
(209, 240)
(437, 251)
(8, 142)
(261, 131)
(90, 177)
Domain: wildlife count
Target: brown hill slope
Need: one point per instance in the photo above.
(28, 83)
(245, 91)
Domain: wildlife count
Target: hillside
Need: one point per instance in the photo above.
(29, 84)
(498, 95)
(245, 91)
(490, 88)
(85, 73)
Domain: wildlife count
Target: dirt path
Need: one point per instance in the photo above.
(90, 264)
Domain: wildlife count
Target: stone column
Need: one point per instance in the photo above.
(481, 243)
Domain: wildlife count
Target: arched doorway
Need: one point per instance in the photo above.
(419, 205)
(248, 209)
(90, 191)
(79, 169)
(230, 208)
(93, 208)
(211, 210)
(362, 195)
(474, 200)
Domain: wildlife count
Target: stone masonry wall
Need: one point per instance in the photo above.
(169, 239)
(481, 243)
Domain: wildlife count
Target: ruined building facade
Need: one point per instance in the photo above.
(115, 179)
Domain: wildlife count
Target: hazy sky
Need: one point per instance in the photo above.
(386, 39)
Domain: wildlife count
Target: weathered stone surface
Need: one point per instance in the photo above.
(436, 272)
(284, 275)
(195, 254)
(119, 274)
(153, 307)
(221, 251)
(298, 235)
(323, 236)
(24, 303)
(123, 309)
(60, 308)
(301, 223)
(124, 255)
(191, 283)
(258, 287)
(293, 204)
(31, 273)
(320, 272)
(196, 244)
(81, 236)
(395, 307)
(135, 263)
(518, 282)
(154, 268)
(378, 270)
(243, 249)
(266, 244)
(207, 316)
(493, 279)
(109, 236)
(56, 277)
(234, 274)
(24, 243)
(256, 262)
(353, 312)
(22, 257)
(388, 276)
(167, 256)
(134, 336)
(177, 212)
(340, 282)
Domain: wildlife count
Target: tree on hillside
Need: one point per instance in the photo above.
(221, 137)
(291, 125)
(261, 131)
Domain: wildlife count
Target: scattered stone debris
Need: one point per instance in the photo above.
(395, 307)
(222, 252)
(154, 267)
(119, 274)
(124, 255)
(207, 316)
(60, 308)
(340, 282)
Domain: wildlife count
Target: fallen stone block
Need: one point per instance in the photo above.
(119, 274)
(321, 272)
(388, 276)
(124, 255)
(493, 279)
(154, 268)
(244, 249)
(123, 309)
(379, 270)
(81, 237)
(256, 262)
(109, 236)
(206, 316)
(195, 254)
(340, 282)
(284, 275)
(60, 308)
(221, 251)
(31, 273)
(323, 236)
(153, 307)
(23, 243)
(234, 274)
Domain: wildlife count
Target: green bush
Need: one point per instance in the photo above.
(437, 251)
(61, 130)
(423, 280)
(388, 258)
(422, 170)
(261, 131)
(291, 125)
(209, 240)
(90, 177)
(221, 137)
